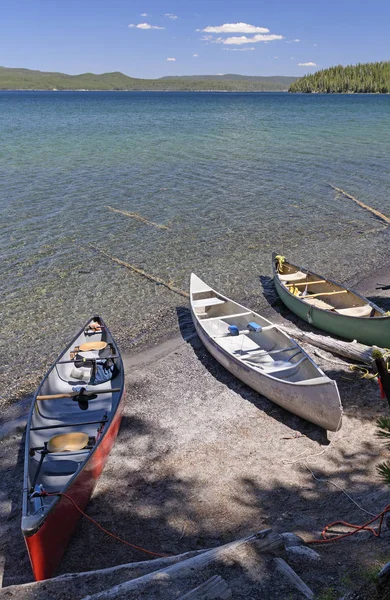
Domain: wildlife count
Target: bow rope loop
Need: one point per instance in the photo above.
(281, 260)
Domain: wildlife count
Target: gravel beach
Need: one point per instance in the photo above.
(201, 460)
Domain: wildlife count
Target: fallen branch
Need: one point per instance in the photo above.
(166, 284)
(292, 576)
(365, 206)
(213, 588)
(352, 350)
(266, 541)
(137, 217)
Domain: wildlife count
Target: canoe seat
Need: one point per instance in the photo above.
(207, 302)
(68, 442)
(318, 303)
(292, 276)
(355, 311)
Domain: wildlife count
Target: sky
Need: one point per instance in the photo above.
(156, 38)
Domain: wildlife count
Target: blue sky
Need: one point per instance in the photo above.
(153, 38)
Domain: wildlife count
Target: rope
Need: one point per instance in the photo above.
(100, 526)
(356, 528)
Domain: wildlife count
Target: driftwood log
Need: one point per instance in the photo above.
(143, 273)
(362, 205)
(138, 217)
(214, 588)
(352, 350)
(90, 582)
(266, 541)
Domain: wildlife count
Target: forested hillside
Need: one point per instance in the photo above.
(358, 79)
(25, 79)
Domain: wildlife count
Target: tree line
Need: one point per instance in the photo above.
(373, 78)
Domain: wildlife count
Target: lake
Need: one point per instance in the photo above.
(233, 175)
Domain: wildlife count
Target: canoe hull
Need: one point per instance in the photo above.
(47, 545)
(318, 403)
(370, 331)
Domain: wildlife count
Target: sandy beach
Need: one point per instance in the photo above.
(201, 459)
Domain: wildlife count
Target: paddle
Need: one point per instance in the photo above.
(308, 282)
(81, 392)
(328, 293)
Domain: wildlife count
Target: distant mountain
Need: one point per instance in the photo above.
(359, 79)
(25, 79)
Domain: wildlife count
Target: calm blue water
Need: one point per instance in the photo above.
(235, 176)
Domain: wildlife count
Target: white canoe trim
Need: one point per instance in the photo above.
(314, 396)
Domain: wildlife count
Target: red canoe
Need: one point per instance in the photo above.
(73, 422)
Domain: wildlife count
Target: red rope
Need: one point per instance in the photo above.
(356, 529)
(102, 528)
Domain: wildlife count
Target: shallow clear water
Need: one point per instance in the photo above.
(235, 176)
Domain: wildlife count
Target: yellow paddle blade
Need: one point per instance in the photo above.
(67, 442)
(92, 346)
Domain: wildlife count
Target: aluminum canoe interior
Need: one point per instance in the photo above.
(269, 352)
(323, 293)
(58, 416)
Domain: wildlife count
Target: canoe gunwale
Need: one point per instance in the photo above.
(30, 532)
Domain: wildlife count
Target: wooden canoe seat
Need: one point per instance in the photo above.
(68, 442)
(292, 276)
(207, 302)
(355, 311)
(318, 303)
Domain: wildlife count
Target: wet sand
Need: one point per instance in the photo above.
(201, 459)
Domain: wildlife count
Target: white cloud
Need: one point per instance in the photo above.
(307, 64)
(194, 55)
(243, 39)
(170, 16)
(315, 44)
(171, 59)
(145, 26)
(235, 28)
(144, 15)
(206, 38)
(276, 57)
(239, 49)
(293, 41)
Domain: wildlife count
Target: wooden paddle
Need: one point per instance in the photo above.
(307, 282)
(82, 392)
(328, 293)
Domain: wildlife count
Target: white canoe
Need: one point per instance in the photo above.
(264, 357)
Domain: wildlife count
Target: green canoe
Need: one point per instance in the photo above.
(330, 306)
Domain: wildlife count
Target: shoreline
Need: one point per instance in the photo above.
(148, 346)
